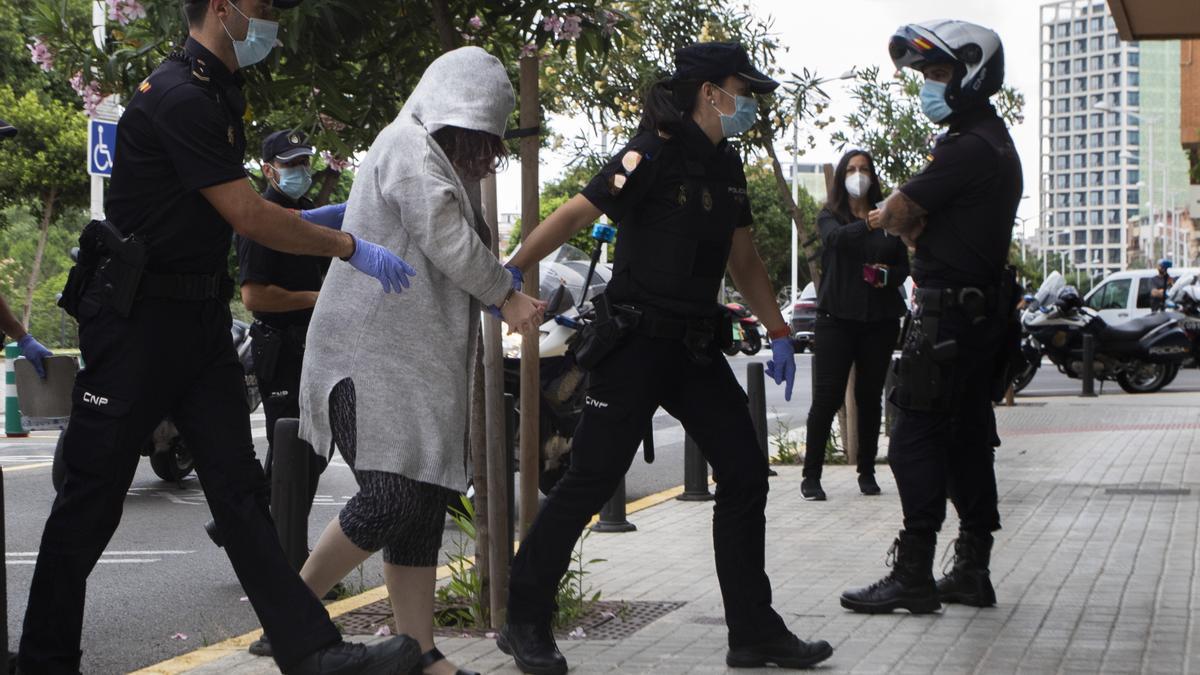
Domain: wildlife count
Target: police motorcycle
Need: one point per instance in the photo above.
(570, 281)
(1183, 304)
(170, 458)
(1142, 355)
(747, 333)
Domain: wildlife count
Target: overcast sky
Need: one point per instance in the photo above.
(832, 37)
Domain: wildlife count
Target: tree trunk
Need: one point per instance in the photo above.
(479, 474)
(47, 215)
(447, 36)
(803, 231)
(329, 180)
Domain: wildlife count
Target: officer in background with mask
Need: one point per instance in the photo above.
(958, 212)
(1160, 284)
(677, 191)
(281, 290)
(151, 294)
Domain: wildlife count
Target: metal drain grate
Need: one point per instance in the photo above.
(605, 620)
(1149, 491)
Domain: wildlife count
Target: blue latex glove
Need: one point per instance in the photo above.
(35, 352)
(377, 261)
(518, 276)
(330, 215)
(782, 367)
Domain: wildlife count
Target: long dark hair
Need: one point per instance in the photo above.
(838, 202)
(476, 154)
(666, 103)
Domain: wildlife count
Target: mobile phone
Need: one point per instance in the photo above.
(873, 274)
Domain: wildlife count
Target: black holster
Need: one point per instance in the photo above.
(598, 339)
(266, 346)
(925, 366)
(108, 258)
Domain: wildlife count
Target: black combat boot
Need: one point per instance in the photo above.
(533, 648)
(788, 651)
(967, 582)
(909, 586)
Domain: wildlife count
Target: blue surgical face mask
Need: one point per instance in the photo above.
(294, 181)
(933, 101)
(260, 40)
(745, 112)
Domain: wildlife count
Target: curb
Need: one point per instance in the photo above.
(235, 645)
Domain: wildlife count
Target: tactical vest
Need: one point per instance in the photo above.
(674, 245)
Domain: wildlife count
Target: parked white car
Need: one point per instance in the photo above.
(1126, 295)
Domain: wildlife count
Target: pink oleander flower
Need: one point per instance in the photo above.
(125, 11)
(529, 50)
(338, 164)
(475, 23)
(571, 27)
(609, 21)
(41, 53)
(89, 92)
(552, 24)
(330, 123)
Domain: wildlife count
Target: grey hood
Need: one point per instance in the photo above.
(466, 88)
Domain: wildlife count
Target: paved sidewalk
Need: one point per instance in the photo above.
(1095, 568)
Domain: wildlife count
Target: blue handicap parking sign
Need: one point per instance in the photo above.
(102, 141)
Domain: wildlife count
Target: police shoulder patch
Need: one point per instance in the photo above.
(144, 86)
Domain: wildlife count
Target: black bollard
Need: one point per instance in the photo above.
(289, 490)
(1089, 359)
(756, 391)
(695, 473)
(612, 516)
(510, 452)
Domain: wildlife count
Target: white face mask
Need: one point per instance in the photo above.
(857, 184)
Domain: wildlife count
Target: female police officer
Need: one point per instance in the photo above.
(678, 193)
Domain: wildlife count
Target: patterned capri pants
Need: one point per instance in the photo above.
(397, 514)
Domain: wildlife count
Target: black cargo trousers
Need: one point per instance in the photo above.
(624, 391)
(950, 451)
(167, 358)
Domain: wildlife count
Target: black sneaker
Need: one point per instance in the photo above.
(787, 652)
(395, 655)
(532, 648)
(261, 647)
(867, 484)
(810, 489)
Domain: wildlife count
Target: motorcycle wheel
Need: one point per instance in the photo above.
(753, 343)
(1172, 372)
(733, 351)
(1147, 379)
(58, 472)
(173, 464)
(1024, 377)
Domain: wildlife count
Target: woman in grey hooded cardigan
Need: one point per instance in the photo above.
(394, 401)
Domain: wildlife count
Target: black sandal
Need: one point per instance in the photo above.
(433, 656)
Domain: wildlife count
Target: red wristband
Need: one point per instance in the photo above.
(783, 331)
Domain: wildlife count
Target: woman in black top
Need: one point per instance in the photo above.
(857, 319)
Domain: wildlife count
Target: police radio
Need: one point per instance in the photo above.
(602, 234)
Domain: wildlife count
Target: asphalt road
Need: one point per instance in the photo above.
(161, 580)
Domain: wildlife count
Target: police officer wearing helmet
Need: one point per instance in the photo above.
(1160, 285)
(281, 290)
(958, 212)
(677, 192)
(151, 295)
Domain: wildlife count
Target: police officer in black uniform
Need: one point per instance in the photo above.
(677, 192)
(152, 298)
(281, 290)
(959, 213)
(1160, 285)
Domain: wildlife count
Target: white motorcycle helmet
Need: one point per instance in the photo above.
(975, 53)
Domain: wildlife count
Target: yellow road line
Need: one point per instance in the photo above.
(234, 645)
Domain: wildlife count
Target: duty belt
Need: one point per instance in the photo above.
(976, 301)
(193, 287)
(697, 334)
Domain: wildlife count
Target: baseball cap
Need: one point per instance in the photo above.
(286, 145)
(715, 61)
